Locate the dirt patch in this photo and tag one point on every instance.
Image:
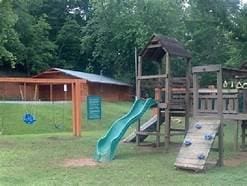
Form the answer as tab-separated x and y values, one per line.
237	160
59	138
82	162
6	144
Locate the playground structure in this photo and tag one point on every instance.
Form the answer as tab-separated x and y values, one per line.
204	108
171	93
159	49
29	91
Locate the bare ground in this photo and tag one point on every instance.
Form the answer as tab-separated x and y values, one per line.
81	162
238	159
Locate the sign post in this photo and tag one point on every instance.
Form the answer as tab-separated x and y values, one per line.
93	107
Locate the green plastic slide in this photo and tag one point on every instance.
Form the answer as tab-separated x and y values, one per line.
107	145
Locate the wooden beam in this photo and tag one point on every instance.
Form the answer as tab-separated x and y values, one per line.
139	73
138	95
187	95
136	69
78	108
25	91
152	76
220	115
206	68
51	92
195	95
243	134
236	146
166	62
154	45
73	109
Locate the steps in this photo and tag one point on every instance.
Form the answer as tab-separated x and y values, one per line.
149	126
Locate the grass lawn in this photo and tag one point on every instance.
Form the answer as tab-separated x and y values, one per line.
39	155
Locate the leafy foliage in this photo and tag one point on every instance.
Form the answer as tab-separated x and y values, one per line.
100	35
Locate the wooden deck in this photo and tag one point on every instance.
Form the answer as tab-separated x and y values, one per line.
188	156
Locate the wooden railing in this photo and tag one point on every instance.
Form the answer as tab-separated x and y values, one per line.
208	101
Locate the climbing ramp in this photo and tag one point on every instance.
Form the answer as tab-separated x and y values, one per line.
148	126
197	144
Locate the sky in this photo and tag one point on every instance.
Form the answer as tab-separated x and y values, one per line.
244	1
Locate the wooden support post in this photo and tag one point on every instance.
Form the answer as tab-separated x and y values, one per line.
136	70
243	134
25	91
73	108
236	146
158	98
187	95
220	114
51	92
139	73
166	60
195	94
78	108
138	95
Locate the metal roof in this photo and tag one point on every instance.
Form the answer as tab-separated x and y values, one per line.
158	45
95	78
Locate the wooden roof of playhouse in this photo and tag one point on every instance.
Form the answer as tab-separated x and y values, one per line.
94	78
158	45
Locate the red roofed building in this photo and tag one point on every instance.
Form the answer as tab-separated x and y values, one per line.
91	84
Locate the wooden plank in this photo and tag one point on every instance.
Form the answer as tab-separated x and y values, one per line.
149	133
238	116
193	162
187	95
211	96
203	105
243	133
220	115
78	108
205	128
166	62
154	46
206	121
189	165
210	104
195	148
230	105
195	94
152	76
225	91
236	146
207	111
206	68
138	94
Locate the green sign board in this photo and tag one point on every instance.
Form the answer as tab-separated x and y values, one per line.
93	107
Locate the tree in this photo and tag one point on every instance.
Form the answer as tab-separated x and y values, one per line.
238	46
69	45
7	34
117	27
37	51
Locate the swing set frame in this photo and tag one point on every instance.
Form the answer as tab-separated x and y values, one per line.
75	92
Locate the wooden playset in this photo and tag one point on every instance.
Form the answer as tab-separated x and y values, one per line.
204	109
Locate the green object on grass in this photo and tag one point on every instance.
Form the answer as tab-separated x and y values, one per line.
107	145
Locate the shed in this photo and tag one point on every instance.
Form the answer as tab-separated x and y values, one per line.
91	84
